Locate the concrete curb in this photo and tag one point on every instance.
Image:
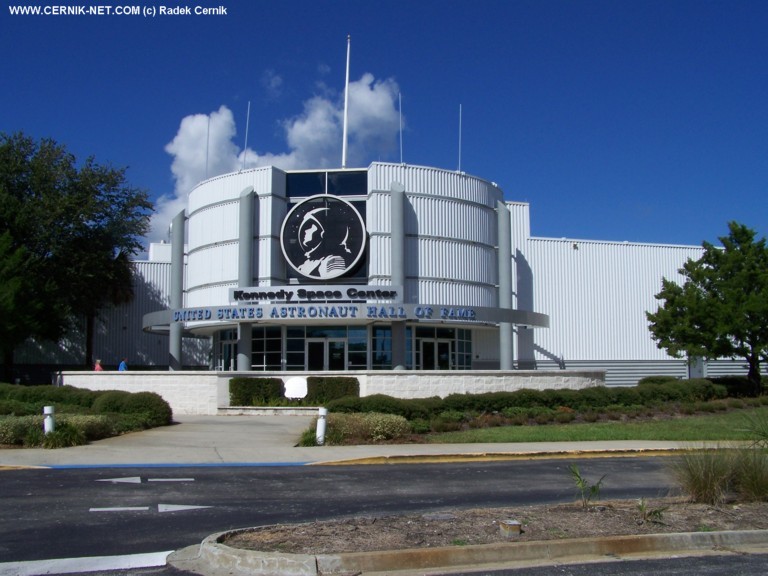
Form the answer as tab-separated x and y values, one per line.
212	557
497	456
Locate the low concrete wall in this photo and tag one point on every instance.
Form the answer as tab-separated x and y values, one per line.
186	392
424	384
205	393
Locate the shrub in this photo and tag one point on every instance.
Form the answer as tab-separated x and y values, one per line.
13	429
322	389
627	396
439	425
368	427
40	396
526	398
16	408
157	410
564	417
64	436
348	404
111	401
452	416
737	386
255	391
93	426
420	426
655	380
154	410
383	404
386	426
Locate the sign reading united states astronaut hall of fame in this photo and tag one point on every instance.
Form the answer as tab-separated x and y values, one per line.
323	237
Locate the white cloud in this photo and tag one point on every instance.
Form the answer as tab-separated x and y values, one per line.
204	147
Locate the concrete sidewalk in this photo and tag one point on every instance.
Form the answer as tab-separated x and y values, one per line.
265	440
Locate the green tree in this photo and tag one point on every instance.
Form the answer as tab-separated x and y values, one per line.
721	310
74	226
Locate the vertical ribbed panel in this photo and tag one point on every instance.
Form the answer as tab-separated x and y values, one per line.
218	223
228	187
434	181
450	226
119	330
597	294
212	264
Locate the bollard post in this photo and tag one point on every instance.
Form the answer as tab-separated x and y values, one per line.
320	432
49	421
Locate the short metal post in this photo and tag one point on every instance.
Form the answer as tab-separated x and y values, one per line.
49	421
320	433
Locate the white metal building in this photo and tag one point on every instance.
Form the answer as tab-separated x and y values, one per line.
393	266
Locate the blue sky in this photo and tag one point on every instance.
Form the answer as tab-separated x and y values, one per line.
622	120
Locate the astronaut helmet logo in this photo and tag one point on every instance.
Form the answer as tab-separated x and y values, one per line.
323	237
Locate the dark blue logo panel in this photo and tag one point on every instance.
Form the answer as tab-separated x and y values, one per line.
323	237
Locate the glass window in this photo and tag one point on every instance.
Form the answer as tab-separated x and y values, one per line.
303	184
346	183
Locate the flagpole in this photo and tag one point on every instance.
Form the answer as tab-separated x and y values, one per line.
346	109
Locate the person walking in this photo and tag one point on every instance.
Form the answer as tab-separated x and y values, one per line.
123	365
98	367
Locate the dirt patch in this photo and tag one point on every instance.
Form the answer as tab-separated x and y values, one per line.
483	526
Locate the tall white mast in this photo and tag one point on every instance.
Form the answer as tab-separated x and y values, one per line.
247	121
346	109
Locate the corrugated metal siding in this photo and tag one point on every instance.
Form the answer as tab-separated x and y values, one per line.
213	264
119	331
728	367
597	293
434	181
213	225
623	373
446	218
229	187
451	234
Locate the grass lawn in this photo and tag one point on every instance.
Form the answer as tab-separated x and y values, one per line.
731	425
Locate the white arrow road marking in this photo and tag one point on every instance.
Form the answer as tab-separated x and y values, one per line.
129	480
80	565
121	509
170	479
177	507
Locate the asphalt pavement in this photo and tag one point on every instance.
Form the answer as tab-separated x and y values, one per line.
261	440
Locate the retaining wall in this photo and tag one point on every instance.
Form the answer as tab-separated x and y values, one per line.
205	393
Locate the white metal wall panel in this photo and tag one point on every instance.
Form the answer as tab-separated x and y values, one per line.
212	265
230	186
447	218
435	181
379	257
215	224
447	259
597	293
209	295
378	213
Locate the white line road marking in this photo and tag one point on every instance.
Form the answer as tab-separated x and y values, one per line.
137	480
80	565
160	508
170	479
130	480
121	509
177	507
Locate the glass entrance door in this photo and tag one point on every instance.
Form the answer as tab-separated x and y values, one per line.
323	354
435	354
226	351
